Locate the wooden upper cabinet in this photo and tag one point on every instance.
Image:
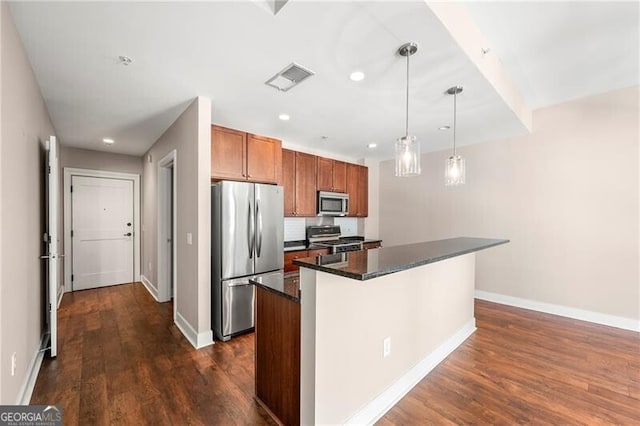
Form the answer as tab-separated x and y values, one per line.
264	159
299	182
331	175
325	174
237	155
305	191
228	152
339	176
289	181
363	192
358	190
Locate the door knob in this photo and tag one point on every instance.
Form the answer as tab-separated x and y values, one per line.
128	223
128	234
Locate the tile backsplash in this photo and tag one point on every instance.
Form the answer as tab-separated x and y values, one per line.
294	228
348	225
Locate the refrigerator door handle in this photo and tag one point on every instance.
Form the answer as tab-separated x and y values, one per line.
259	226
251	234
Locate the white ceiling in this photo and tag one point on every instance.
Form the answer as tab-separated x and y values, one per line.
557	51
226	50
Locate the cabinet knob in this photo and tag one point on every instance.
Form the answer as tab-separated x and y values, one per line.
249	175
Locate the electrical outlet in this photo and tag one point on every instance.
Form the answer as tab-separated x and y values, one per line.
149	266
386	351
189	238
14	363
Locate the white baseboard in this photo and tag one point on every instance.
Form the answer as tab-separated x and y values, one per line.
563	311
26	390
375	409
197	340
150	288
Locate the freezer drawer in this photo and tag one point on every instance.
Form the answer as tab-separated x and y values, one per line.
237	306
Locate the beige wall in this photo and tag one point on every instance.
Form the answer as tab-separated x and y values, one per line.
25	127
100	160
190	136
566	196
345	322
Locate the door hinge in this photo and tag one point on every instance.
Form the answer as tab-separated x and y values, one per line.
49	169
72	233
71	277
71	188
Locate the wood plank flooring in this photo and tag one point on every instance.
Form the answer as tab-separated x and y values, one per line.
122	361
526	367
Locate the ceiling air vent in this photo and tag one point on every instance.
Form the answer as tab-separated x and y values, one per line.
289	77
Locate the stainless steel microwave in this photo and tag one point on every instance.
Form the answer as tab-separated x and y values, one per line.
333	203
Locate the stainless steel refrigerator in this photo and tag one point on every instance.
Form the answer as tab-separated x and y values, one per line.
247	221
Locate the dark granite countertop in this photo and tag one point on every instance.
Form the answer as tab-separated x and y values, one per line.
368	264
283	284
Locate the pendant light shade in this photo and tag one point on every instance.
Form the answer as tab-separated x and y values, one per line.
407	156
407	147
454	171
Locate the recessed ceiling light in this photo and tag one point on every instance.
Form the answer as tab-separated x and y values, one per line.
372	145
444	128
284	117
108	141
357	76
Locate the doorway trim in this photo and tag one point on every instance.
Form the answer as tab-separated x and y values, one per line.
167	172
69	173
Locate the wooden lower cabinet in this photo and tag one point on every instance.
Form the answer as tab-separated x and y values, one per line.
372	245
289	256
318	252
277	351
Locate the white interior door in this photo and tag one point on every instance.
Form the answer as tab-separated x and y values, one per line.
52	191
102	232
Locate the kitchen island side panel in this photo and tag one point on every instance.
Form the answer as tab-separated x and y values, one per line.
346	322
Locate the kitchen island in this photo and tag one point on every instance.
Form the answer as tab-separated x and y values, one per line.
372	324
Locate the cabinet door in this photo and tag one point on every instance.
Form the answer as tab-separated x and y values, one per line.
325	174
305	185
353	188
339	176
363	192
228	152
289	181
290	255
264	159
318	252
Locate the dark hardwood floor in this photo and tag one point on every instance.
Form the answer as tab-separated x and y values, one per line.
523	367
122	361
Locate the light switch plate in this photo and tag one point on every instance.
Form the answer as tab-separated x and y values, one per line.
189	238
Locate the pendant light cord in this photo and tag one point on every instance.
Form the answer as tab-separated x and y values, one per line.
406	127
455	114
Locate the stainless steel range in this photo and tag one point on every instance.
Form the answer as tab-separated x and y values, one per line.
329	236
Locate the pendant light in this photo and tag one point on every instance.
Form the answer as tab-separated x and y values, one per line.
454	173
407	147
